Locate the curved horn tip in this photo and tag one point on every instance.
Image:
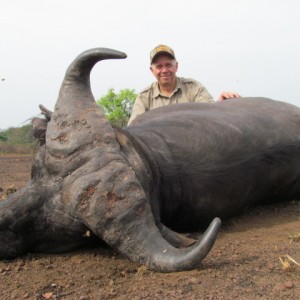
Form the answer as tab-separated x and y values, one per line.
81	66
216	222
106	53
187	258
212	231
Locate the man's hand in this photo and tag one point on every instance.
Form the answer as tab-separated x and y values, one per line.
228	95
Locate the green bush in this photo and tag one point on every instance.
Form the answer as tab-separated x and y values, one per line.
118	106
18	140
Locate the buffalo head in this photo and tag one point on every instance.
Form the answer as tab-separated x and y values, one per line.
89	176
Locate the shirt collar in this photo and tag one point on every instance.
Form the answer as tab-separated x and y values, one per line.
156	91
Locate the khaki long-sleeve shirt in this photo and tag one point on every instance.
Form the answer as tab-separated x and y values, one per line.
186	90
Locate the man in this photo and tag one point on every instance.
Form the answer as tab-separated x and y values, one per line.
170	89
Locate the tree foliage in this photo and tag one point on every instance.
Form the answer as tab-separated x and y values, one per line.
118	106
18	135
17	139
3	138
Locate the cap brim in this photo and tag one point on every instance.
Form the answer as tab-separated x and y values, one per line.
162	53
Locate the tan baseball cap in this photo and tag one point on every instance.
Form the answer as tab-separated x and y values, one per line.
161	49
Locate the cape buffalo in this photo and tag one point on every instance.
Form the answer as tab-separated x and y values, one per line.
178	167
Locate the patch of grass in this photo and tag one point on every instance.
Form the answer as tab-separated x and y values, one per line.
287	262
294	237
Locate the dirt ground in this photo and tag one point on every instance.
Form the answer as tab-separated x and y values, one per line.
244	263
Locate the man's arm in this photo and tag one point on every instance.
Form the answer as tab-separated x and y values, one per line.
138	108
202	95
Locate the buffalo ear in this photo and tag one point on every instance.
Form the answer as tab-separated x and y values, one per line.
46	112
39	125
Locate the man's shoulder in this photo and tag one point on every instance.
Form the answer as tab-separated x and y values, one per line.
189	81
147	89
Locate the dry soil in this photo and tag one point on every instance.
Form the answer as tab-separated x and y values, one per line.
244	263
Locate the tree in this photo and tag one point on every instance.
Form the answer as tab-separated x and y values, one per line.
17	139
3	138
19	135
118	106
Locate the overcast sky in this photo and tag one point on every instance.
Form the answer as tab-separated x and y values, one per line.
248	46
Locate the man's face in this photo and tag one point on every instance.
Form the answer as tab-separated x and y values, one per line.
164	69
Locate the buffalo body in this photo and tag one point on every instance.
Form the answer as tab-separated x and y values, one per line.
178	167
